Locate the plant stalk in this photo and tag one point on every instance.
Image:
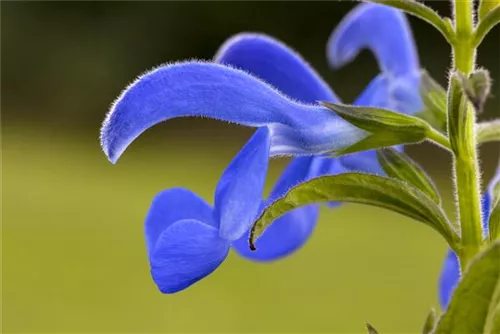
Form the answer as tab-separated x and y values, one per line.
465	162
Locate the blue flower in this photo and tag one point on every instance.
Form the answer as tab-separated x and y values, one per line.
186	238
258	82
225	93
275	63
450	275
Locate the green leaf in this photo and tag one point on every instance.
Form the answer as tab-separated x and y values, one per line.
430	322
399	166
494	221
423	12
385	127
434	100
488	131
361	188
487	23
486	6
475	305
490	20
371	329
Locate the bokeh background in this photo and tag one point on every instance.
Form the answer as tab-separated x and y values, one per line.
72	224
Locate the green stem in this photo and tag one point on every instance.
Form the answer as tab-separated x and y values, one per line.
438	138
465	162
463	17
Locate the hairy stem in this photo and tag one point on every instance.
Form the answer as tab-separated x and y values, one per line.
465	162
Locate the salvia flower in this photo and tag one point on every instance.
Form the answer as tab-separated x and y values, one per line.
186	238
259	82
278	65
451	272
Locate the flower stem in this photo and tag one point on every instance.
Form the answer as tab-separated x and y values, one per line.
465	162
438	138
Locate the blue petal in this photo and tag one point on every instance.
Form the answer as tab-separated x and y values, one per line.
185	253
376	94
170	206
386	32
283	68
223	93
364	162
383	30
239	193
449	279
487	200
277	64
486	208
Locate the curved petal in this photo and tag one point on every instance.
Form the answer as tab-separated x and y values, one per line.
170	206
449	279
239	193
223	93
386	32
277	64
285	236
185	253
383	30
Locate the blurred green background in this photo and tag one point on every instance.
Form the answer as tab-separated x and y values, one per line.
73	253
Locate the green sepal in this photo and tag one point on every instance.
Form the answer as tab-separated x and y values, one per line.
434	100
458	121
376	141
361	188
488	131
400	166
475	305
385	128
378	120
430	322
494	220
477	88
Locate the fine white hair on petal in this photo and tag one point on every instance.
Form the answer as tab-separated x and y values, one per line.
200	88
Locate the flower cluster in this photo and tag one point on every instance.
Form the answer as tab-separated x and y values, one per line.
257	81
